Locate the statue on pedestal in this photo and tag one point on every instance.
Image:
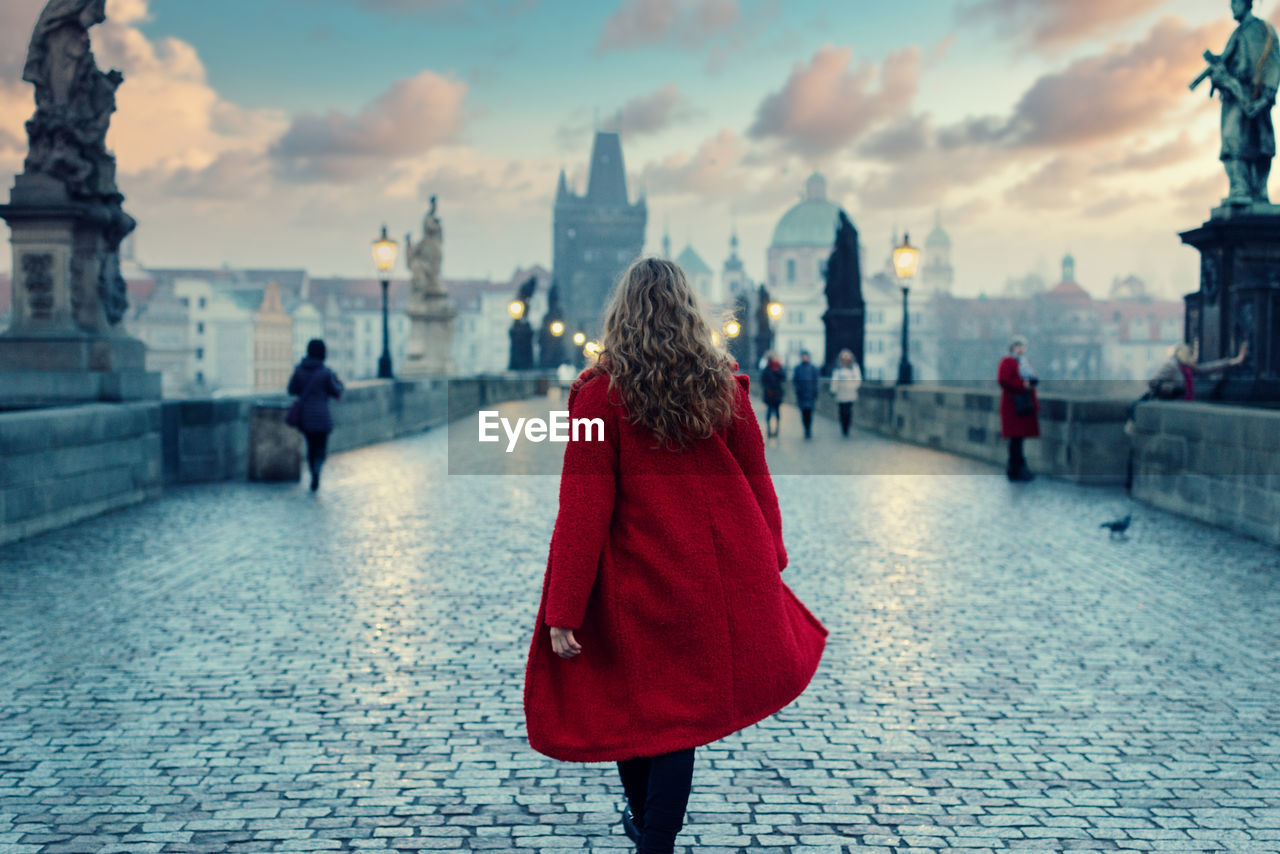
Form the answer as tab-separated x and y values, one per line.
1246	74
431	312
521	332
843	319
1239	244
67	221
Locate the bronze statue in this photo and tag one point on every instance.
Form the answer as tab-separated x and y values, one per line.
1246	74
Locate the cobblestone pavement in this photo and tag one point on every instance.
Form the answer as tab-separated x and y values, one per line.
251	668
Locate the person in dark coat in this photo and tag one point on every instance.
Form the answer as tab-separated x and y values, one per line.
1019	407
805	379
772	379
315	383
662	627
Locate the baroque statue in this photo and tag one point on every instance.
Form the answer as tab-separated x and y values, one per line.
431	312
68	133
425	257
1246	75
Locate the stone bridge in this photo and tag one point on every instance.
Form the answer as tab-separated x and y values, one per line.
246	667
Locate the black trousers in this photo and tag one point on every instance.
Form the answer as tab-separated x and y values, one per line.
1017	459
846	417
806	418
317	448
657	790
772	417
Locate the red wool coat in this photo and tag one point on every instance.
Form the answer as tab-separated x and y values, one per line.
667	566
1013	425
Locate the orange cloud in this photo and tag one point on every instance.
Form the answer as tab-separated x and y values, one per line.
412	116
1053	24
827	104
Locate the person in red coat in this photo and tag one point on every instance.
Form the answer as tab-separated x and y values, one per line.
1019	407
664	623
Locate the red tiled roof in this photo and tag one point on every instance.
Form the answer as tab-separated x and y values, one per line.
1069	292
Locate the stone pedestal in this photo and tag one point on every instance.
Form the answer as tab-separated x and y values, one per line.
63	345
430	347
1239	299
845	328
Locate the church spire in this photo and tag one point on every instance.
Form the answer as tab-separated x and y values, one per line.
562	186
607	184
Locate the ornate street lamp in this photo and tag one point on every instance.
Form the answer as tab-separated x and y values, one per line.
905	260
384	257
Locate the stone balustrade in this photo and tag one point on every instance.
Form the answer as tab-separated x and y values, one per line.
61	464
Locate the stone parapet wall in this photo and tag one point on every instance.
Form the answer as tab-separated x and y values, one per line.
58	466
1082	439
63	464
1218	464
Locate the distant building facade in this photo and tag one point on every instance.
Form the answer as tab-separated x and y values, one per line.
1072	337
796	262
272	342
595	235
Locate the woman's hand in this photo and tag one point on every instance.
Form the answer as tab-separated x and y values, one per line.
563	644
1244	354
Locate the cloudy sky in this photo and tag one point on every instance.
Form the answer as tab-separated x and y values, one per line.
285	132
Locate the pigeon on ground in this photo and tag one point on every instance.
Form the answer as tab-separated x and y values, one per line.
1119	527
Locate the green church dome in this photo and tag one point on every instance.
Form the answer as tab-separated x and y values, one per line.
811	222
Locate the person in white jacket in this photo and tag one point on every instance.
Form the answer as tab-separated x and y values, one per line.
845	381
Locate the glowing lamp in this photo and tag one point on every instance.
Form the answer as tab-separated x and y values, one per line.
733	329
557	328
579	339
515	308
384	252
775	310
906	258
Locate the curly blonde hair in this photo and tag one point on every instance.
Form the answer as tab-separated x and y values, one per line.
660	354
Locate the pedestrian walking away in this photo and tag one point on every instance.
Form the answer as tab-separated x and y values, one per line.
805	380
772	380
1019	407
661	630
846	379
314	384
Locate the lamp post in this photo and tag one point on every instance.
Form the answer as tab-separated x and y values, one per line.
905	259
384	257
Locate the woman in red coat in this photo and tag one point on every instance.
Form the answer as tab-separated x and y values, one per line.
1019	406
664	623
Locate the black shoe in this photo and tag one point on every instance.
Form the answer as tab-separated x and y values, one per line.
629	825
315	481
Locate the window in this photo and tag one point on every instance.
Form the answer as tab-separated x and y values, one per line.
200	377
202	303
200	328
199	354
791	269
186	302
